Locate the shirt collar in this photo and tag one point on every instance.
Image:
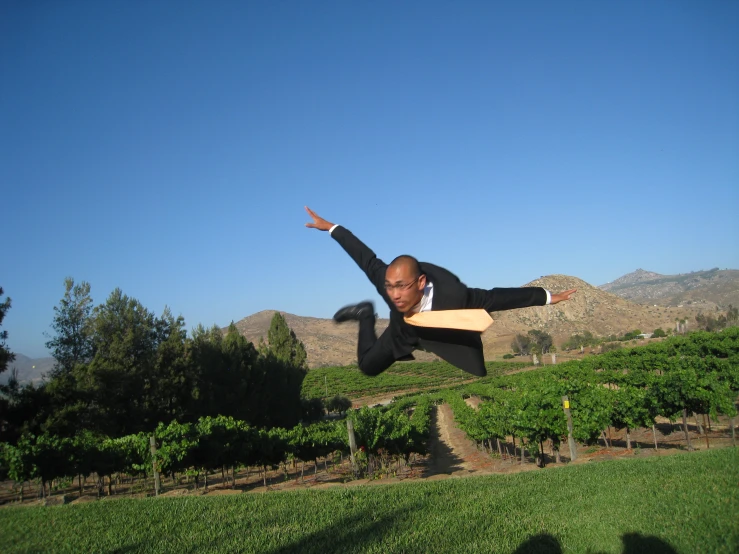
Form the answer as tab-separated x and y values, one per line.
424	305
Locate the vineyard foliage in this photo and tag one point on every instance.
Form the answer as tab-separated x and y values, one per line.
624	388
349	381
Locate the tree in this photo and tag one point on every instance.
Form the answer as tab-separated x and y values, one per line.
579	341
120	377
710	323
240	357
338	403
658	333
631	335
521	345
542	341
173	380
284	345
6	356
72	341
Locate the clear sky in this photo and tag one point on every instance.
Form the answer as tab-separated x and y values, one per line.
168	148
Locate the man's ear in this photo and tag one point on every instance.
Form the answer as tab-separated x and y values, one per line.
421	281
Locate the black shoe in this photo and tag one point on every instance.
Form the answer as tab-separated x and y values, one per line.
355	312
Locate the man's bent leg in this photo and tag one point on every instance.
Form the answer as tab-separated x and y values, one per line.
373	355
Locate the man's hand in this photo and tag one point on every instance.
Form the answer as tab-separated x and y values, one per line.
318	222
562	296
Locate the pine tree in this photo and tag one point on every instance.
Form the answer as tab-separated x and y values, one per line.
6	356
72	342
284	345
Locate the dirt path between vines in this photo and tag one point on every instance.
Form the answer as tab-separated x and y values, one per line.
451	453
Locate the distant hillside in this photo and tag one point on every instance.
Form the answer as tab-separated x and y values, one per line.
706	290
30	370
326	342
638	276
591	308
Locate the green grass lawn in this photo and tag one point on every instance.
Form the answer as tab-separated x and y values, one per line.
680	503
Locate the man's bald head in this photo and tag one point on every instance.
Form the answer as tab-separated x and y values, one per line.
404	282
408	263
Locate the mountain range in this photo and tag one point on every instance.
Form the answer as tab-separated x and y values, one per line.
706	290
30	370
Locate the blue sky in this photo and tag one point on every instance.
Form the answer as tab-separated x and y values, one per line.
168	148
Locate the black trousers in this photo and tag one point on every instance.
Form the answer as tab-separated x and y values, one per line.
375	355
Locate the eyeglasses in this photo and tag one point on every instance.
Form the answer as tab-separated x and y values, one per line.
401	286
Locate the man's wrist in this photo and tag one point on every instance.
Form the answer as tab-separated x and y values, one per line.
331	230
549	297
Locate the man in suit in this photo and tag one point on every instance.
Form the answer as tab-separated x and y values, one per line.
409	286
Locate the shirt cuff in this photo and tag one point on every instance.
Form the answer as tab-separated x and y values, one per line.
331	230
549	296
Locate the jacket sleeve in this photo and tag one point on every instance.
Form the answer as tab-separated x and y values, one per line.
498	299
373	267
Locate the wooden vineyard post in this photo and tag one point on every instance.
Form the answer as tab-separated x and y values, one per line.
352	444
733	433
153	445
705	431
685	429
654	434
570	438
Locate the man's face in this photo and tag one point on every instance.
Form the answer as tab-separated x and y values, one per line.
402	286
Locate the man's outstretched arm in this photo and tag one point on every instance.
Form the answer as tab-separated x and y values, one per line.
499	299
364	257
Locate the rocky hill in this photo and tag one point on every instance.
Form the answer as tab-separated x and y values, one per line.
630	279
706	290
591	308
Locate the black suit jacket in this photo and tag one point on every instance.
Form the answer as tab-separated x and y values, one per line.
449	294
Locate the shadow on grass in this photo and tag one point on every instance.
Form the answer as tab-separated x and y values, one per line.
633	543
539	544
359	532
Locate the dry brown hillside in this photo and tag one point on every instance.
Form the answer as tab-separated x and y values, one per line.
326	343
591	308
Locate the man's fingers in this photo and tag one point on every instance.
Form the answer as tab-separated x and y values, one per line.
562	296
311	213
318	222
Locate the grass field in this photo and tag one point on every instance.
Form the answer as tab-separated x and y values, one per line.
682	503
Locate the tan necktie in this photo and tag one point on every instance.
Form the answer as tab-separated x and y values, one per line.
467	320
